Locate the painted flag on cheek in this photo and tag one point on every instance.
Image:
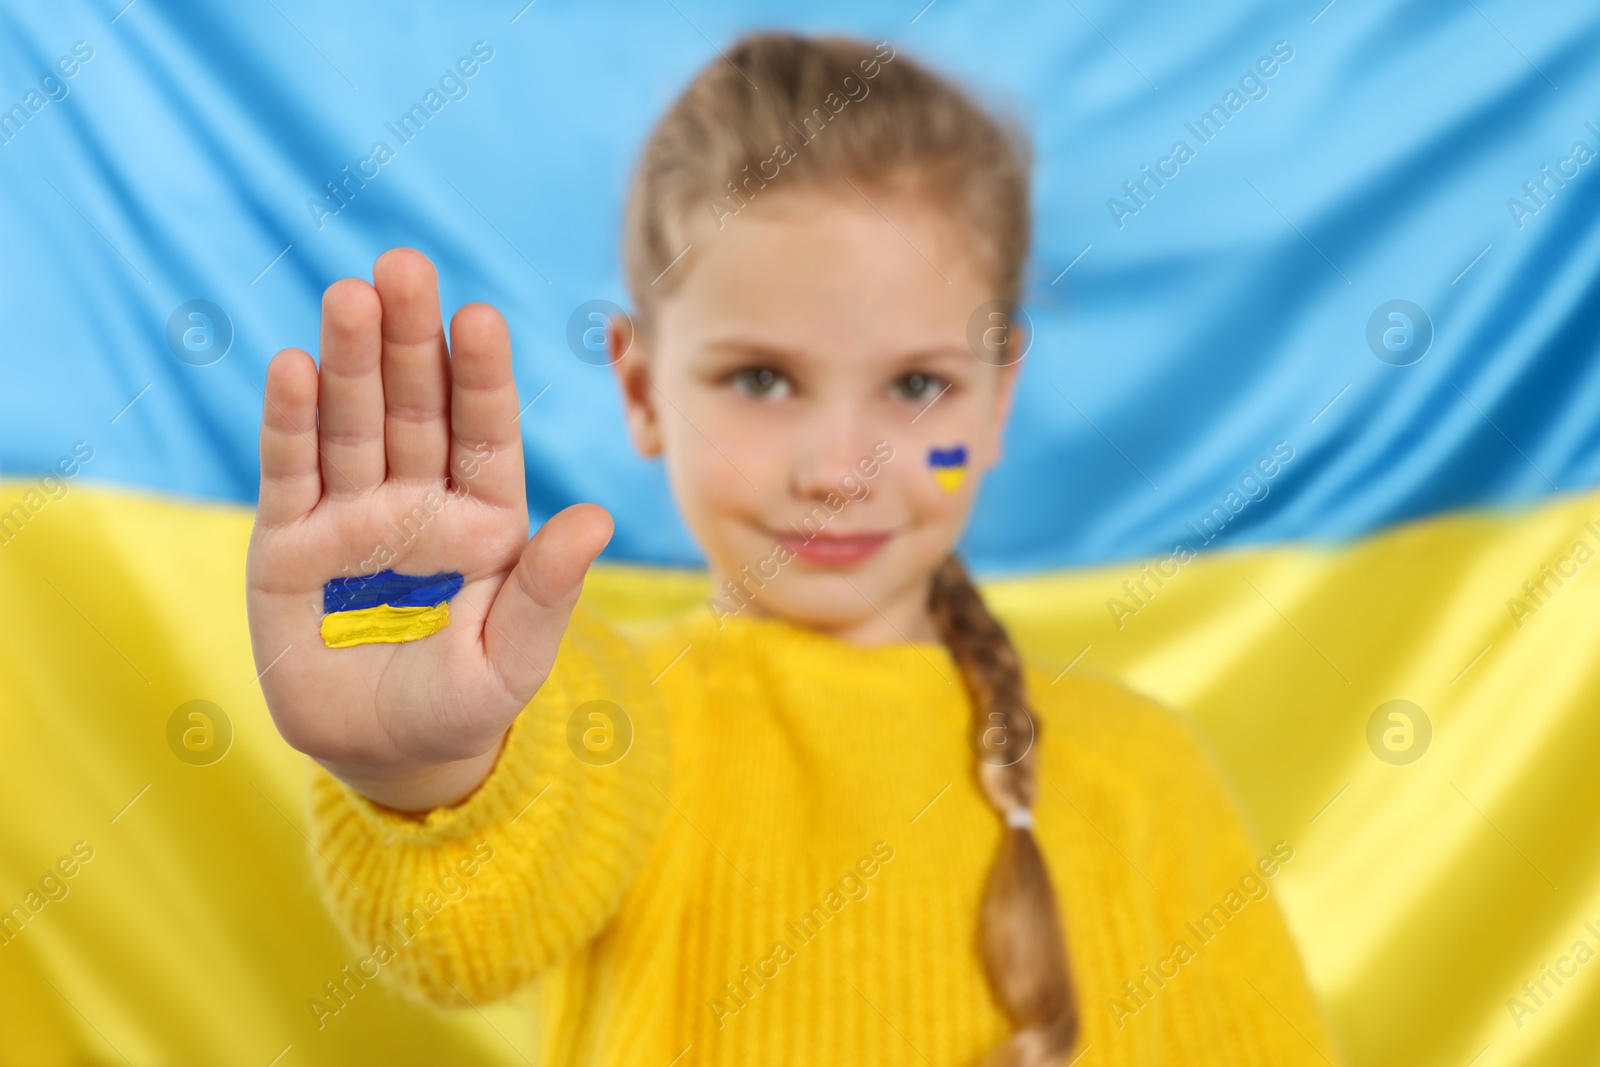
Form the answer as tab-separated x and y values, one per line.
949	465
386	608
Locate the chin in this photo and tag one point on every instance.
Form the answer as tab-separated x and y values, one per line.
824	613
822	598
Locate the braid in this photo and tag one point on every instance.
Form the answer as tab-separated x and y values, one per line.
1020	937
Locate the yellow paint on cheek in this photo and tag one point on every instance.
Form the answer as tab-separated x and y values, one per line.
949	466
383	624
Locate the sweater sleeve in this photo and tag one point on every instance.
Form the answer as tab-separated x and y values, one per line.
1243	996
469	903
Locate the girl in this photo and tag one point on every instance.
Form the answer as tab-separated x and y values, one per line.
831	817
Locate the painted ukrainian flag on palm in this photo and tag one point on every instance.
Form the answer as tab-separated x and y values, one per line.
1305	446
385	607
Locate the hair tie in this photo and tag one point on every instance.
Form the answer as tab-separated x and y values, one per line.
1021	818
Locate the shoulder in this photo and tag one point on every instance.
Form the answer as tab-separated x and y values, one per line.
1135	765
1105	718
1130	749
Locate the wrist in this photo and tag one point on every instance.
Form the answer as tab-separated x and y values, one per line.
417	792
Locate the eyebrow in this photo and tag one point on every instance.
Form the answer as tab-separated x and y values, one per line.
782	357
735	348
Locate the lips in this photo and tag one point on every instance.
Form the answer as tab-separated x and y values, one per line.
834	550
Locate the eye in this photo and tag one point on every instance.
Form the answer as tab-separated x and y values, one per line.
759	381
919	386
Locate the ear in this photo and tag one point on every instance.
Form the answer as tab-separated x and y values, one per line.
1006	388
630	361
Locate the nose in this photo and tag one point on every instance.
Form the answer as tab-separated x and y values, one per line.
833	441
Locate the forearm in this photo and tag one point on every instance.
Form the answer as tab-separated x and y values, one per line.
552	842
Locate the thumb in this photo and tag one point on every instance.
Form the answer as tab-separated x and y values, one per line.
532	609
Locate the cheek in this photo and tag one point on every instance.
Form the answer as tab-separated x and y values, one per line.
933	518
713	479
916	487
703	481
941	466
939	504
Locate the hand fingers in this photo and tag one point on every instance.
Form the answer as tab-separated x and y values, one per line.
416	377
291	479
531	611
350	400
485	433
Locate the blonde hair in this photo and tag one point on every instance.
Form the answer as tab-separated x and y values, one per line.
794	112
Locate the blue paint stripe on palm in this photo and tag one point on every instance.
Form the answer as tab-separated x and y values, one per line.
387	587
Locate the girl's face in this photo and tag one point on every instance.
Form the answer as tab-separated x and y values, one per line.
811	387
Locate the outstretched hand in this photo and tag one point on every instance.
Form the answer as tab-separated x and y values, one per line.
402	453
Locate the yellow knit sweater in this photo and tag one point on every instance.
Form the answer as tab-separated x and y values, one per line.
785	863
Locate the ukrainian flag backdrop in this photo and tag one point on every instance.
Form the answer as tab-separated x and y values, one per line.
1307	446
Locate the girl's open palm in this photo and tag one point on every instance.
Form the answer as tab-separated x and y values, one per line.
402	454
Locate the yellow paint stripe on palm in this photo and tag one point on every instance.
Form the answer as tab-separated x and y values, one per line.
384	624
